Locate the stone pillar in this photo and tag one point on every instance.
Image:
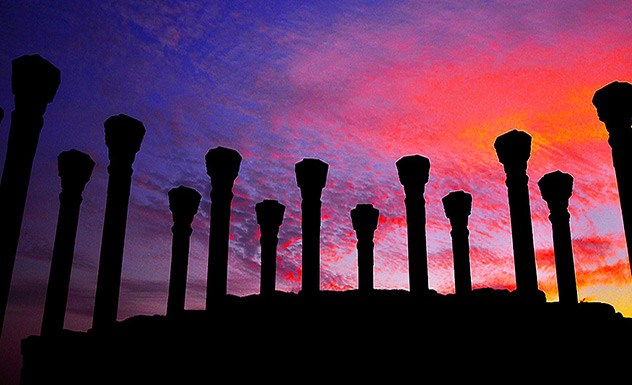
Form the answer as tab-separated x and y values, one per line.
34	83
413	171
557	188
123	137
364	218
458	206
311	178
514	149
75	169
269	217
183	203
222	165
614	108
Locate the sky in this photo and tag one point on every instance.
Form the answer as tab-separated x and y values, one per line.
356	84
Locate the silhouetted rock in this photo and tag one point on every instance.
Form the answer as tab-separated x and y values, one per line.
413	172
34	83
614	108
357	335
364	218
75	169
123	137
458	206
183	204
514	149
556	188
269	217
222	165
311	178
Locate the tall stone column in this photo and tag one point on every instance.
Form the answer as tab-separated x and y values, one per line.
222	165
556	188
414	171
75	169
311	177
458	206
364	218
614	108
123	137
184	203
514	149
269	217
34	83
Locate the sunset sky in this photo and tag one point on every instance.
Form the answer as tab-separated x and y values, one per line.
355	84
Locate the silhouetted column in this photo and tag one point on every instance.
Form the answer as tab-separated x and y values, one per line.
614	108
557	188
222	165
413	171
34	83
183	203
364	218
458	206
123	137
311	177
514	149
75	169
269	217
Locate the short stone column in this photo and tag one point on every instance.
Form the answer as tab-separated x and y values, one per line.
364	218
269	217
123	137
75	169
183	204
34	83
458	206
414	171
514	149
556	188
222	165
311	177
614	108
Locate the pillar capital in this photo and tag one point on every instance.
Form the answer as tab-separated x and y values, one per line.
184	203
34	79
457	205
364	218
614	105
556	188
222	165
123	136
513	149
269	214
413	171
311	175
75	169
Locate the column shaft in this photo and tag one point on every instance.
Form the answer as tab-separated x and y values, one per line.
461	250
366	258
221	199
112	247
522	231
179	265
622	162
269	243
417	249
310	225
61	264
563	249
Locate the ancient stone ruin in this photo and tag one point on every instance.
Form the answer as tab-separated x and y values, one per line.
185	343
